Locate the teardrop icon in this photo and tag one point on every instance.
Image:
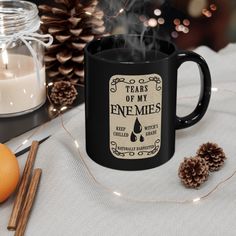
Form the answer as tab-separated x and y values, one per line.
137	126
133	137
141	138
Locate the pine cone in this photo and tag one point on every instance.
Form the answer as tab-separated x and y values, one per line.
193	171
72	23
213	154
63	93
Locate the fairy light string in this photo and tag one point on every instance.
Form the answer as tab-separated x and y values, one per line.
29	137
128	198
119	12
59	112
116	192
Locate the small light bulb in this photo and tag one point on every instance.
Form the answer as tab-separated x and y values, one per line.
63	108
76	143
88	13
121	10
196	199
4	56
117	193
152	22
157	12
161	21
174	34
213	7
186	30
181	27
24	142
50	84
142	18
145	23
177	21
214	89
186	22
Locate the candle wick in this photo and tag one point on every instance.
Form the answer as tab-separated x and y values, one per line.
6	66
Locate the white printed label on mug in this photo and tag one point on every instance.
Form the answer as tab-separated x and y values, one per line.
135	115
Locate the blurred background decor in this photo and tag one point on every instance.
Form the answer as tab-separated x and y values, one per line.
189	23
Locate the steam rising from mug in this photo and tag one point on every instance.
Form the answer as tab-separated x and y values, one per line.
131	22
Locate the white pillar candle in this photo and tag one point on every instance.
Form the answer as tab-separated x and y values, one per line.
20	89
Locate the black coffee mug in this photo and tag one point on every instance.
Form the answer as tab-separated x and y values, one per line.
130	100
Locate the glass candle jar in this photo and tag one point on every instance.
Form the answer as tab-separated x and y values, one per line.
22	70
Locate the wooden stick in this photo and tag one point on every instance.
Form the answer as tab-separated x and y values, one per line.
18	204
29	201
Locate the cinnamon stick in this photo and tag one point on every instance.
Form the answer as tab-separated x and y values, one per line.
18	204
29	201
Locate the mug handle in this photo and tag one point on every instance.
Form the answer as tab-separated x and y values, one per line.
205	94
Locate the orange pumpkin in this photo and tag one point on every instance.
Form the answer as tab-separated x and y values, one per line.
9	172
